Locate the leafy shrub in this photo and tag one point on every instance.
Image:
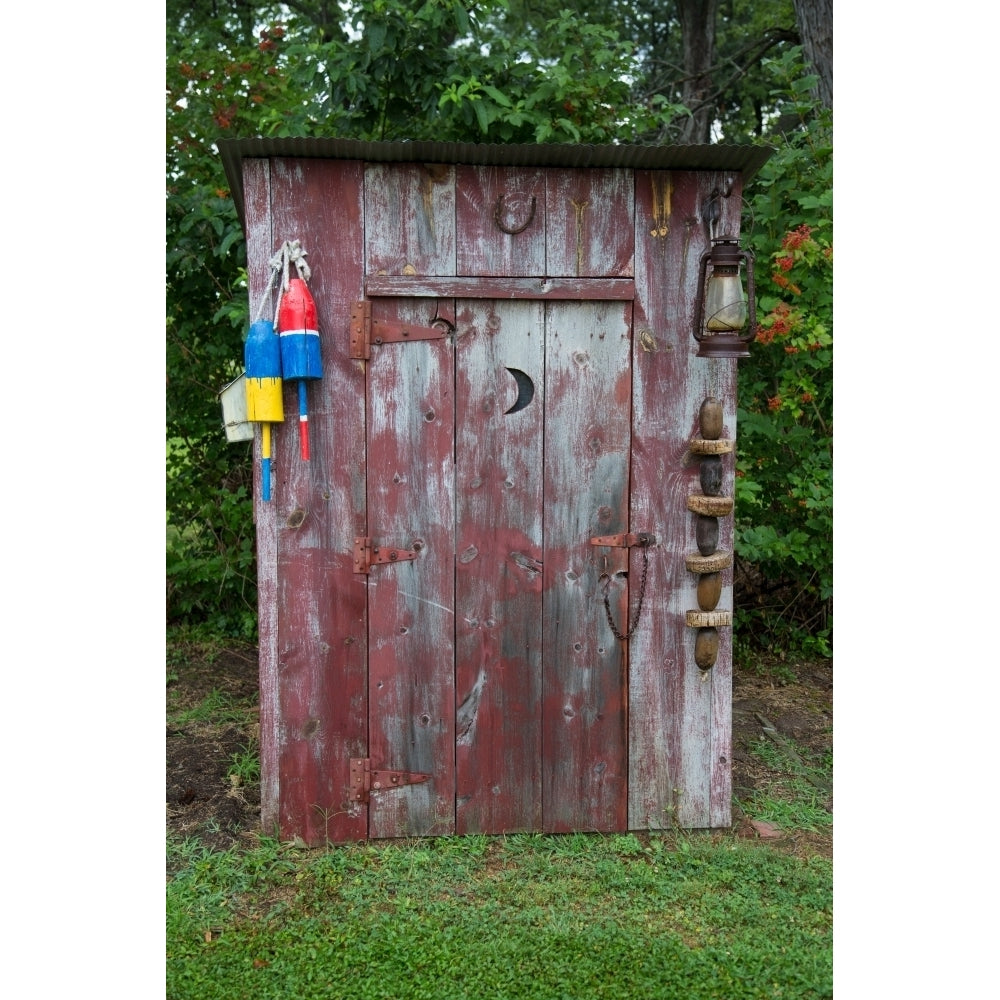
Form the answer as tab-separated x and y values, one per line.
784	470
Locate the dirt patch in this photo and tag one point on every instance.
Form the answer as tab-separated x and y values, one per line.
212	723
213	730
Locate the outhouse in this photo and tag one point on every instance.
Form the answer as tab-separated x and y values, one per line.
478	596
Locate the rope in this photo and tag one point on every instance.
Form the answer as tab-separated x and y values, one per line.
290	253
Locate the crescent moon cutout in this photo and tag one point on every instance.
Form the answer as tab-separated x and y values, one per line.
525	390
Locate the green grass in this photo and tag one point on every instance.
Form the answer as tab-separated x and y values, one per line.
244	768
795	797
523	916
216	708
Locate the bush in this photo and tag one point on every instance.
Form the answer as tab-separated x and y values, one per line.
784	470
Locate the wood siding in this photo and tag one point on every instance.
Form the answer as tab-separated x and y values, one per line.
558	406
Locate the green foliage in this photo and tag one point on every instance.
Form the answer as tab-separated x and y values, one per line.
584	95
582	916
214	88
432	70
784	485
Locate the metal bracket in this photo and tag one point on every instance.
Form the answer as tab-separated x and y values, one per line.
365	779
367	555
625	541
366	331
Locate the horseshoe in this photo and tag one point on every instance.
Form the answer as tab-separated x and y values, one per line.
497	217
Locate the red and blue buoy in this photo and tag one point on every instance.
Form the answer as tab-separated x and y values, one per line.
262	358
300	356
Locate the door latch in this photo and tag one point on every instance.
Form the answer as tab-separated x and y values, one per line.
643	539
626	541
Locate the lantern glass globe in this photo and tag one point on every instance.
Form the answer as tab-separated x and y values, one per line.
725	306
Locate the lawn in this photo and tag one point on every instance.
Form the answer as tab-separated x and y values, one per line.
526	916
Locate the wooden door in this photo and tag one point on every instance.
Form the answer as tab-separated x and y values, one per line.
493	668
496	454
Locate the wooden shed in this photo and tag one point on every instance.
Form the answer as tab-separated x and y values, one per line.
477	598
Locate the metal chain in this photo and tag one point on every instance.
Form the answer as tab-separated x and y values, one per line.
638	610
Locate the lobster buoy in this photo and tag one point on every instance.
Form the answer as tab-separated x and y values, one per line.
300	356
262	359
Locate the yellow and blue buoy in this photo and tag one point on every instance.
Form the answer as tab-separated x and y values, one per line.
262	358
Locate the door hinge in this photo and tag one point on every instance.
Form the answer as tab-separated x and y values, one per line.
365	779
367	555
366	331
625	541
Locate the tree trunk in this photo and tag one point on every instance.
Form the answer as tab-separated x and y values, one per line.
815	20
697	19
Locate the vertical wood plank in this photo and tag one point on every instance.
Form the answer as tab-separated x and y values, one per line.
257	211
722	384
415	208
317	509
499	552
411	505
587	391
411	604
590	223
515	196
678	723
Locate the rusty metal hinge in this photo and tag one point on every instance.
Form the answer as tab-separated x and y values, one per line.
365	779
625	541
367	555
366	331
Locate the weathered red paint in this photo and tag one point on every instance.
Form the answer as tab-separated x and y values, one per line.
498	566
487	661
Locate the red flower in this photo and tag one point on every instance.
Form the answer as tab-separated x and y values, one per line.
786	263
791	350
796	237
807	397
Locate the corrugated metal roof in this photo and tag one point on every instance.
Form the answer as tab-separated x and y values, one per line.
746	160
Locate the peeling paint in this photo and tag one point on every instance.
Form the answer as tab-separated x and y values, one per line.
468	711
